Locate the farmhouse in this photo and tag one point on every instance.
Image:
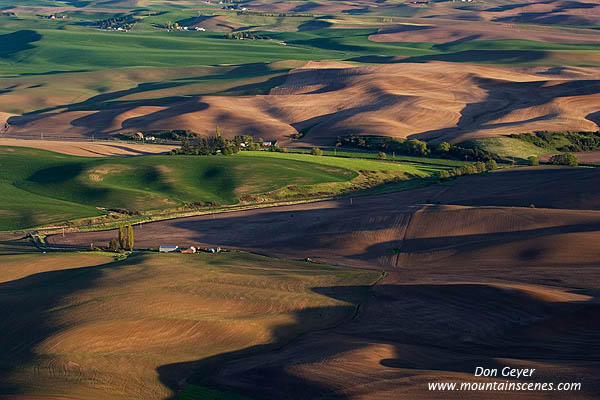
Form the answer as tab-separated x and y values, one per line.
191	250
138	136
168	249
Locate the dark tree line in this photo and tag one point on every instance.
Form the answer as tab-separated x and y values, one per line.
414	147
119	21
562	141
245	35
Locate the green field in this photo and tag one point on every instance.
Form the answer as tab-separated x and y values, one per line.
35	45
364	163
511	148
427	162
40	187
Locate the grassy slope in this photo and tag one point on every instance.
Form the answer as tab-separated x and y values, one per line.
84	334
351	163
511	148
40	187
20	208
371	155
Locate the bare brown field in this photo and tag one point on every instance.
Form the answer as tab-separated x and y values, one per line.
550	12
102	329
443	31
433	101
309	7
590	157
560	12
89	149
476	277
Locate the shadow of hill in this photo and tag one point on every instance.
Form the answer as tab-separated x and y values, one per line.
485	56
26	306
13	43
170	375
504	98
430	329
106	108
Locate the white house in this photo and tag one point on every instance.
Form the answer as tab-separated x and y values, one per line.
168	249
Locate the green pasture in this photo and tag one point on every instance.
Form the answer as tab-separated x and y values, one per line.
39	187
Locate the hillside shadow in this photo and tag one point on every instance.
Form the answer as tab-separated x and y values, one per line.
27	306
52	177
170	374
504	98
12	44
482	56
380	100
444	327
313	25
107	107
480	241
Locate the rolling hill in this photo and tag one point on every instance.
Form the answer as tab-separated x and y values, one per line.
435	101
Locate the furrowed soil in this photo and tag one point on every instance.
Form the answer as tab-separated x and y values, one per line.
493	270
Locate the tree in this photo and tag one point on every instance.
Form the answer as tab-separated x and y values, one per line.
381	155
417	147
443	147
113	245
468	170
533	160
491	165
569	159
479	166
443	175
122	237
130	237
316	151
185	146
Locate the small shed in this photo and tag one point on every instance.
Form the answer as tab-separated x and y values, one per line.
168	249
191	250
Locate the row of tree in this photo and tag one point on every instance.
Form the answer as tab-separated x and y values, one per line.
562	141
124	241
475	168
245	35
119	21
414	147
